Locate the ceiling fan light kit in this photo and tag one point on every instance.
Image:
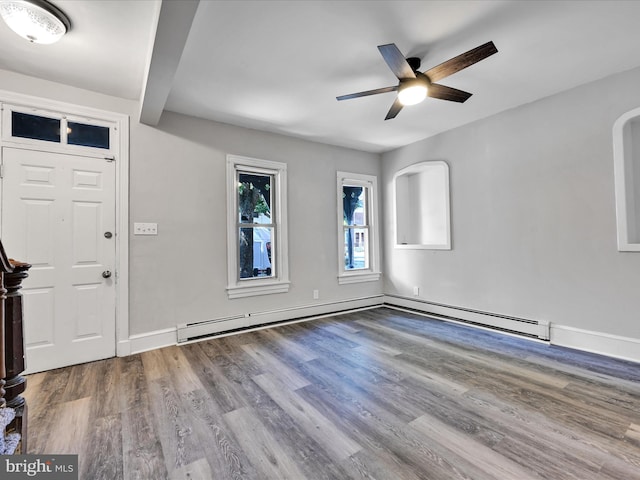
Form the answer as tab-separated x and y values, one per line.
35	20
412	92
414	86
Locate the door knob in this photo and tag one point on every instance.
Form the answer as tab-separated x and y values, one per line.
106	274
108	234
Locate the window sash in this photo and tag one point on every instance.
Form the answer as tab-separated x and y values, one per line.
362	233
365	262
272	275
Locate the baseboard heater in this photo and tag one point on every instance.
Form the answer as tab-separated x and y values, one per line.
210	328
187	332
538	329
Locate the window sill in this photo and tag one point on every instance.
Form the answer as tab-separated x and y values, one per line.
242	291
359	277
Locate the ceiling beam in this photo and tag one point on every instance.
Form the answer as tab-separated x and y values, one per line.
174	24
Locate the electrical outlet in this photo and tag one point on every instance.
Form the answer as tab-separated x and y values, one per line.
416	290
145	228
316	294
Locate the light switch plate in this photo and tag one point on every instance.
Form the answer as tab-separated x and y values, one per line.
145	228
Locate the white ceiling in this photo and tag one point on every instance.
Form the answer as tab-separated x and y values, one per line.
278	65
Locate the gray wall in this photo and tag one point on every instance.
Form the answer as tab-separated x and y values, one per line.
533	214
178	180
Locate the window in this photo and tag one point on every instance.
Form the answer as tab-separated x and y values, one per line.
256	227
36	127
33	126
95	136
357	224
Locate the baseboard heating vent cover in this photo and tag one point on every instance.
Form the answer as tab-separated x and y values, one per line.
538	329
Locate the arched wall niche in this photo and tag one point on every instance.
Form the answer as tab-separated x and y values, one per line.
422	206
626	157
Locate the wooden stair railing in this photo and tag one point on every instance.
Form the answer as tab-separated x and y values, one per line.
14	349
12	360
5	267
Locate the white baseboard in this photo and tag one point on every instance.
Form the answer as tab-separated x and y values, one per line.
534	328
123	348
624	348
151	340
615	346
248	320
166	337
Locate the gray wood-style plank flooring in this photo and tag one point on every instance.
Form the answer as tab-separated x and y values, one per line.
376	394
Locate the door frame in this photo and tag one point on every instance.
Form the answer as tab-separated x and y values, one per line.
121	153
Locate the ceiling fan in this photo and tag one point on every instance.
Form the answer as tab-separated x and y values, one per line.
415	86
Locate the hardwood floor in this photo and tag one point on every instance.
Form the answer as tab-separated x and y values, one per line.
378	394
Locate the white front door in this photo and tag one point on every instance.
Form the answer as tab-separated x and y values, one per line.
58	214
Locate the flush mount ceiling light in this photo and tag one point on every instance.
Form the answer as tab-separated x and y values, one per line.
35	20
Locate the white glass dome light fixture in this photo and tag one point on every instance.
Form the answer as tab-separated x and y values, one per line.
35	20
413	91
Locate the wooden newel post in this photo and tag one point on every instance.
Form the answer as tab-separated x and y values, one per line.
14	346
3	371
5	267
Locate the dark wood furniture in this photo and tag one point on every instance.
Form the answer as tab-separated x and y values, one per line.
12	362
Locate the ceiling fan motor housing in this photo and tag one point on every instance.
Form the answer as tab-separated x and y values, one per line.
414	63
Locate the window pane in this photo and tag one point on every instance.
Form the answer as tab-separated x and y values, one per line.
87	135
36	127
354	205
356	248
254	198
255	252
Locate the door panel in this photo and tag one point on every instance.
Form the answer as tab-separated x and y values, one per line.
55	210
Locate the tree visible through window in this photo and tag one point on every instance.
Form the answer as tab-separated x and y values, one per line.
354	205
357	228
256	226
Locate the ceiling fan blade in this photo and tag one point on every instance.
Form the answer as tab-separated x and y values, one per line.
461	61
396	61
368	92
394	110
443	92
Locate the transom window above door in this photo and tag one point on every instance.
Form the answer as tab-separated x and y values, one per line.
32	126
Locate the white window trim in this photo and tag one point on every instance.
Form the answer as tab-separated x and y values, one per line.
372	273
237	288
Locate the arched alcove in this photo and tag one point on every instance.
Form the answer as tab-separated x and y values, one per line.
421	206
626	156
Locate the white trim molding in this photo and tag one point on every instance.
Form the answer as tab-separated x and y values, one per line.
144	342
615	346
